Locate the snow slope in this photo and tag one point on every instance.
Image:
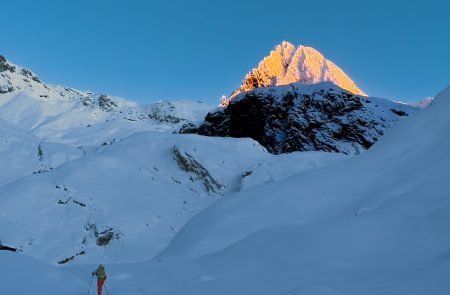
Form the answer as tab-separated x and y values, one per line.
134	192
79	118
424	103
375	224
22	153
127	200
24	275
19	150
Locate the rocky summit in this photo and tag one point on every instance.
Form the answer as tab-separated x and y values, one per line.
288	64
298	117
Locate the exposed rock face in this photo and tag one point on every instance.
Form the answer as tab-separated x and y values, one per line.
5	87
296	117
107	104
5	66
188	163
288	64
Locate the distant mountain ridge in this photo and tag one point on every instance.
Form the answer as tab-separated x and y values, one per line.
288	64
424	103
66	115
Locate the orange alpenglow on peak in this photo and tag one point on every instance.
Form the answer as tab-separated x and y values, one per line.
289	64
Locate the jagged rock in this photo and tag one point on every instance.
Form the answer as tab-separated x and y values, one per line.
298	117
69	259
288	64
103	238
161	112
188	128
106	104
29	74
187	163
5	66
6	89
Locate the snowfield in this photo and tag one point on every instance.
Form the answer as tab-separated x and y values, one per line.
163	179
24	275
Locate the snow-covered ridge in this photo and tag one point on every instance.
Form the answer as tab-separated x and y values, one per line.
423	103
288	64
66	115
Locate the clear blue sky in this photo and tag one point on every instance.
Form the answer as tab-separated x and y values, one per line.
195	49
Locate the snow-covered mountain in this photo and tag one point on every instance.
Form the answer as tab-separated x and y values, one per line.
298	117
66	115
288	64
108	177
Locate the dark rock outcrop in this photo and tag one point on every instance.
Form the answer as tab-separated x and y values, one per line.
7	248
5	66
296	117
189	164
105	103
188	128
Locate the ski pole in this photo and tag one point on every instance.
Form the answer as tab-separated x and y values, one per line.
107	292
89	290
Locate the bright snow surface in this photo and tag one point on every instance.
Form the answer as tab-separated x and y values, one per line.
374	224
24	275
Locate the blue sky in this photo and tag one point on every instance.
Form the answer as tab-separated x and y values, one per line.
159	49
